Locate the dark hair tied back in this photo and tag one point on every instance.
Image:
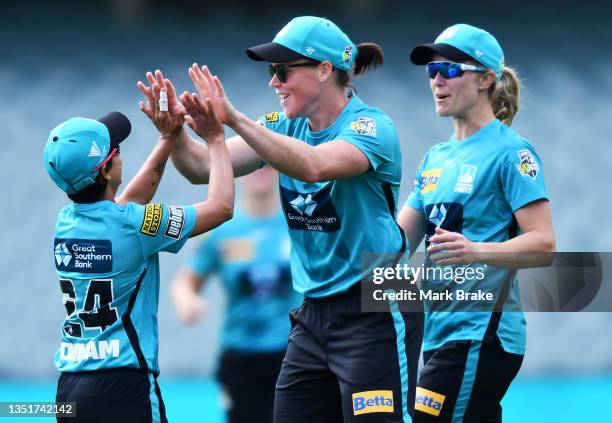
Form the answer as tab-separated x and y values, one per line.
369	55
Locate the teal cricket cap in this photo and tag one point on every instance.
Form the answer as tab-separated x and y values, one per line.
308	37
76	147
463	42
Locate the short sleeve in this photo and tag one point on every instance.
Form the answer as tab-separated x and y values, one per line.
521	175
274	121
160	227
415	199
374	135
207	257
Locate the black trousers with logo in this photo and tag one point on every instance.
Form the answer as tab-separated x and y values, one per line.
465	381
343	364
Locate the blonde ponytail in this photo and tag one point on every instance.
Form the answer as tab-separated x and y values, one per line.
504	95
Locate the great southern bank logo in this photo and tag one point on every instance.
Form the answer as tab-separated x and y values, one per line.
83	255
372	402
437	215
304	206
62	255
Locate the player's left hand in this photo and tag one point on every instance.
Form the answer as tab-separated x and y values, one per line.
448	248
168	123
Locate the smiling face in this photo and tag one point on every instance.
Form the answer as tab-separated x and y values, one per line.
457	97
300	93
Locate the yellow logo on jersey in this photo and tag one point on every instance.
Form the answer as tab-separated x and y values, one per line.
429	180
527	166
429	402
364	126
271	117
152	219
372	402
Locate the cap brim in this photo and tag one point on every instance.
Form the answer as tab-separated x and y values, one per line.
272	52
119	126
422	55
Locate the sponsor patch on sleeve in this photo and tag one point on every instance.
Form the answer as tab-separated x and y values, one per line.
152	219
271	117
429	402
176	221
527	165
364	126
372	402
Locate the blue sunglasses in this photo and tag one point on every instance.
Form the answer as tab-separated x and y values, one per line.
450	70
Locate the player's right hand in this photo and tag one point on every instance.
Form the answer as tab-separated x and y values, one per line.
189	307
170	123
201	117
210	86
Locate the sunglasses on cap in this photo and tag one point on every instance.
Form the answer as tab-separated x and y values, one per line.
114	152
450	70
281	70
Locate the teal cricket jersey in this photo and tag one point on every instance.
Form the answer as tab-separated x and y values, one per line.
106	257
251	257
473	187
333	223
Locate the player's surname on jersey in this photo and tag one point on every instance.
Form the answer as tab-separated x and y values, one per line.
89	351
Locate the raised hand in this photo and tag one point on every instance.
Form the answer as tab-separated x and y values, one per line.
210	86
170	123
202	118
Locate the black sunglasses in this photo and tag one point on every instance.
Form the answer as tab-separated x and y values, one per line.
281	70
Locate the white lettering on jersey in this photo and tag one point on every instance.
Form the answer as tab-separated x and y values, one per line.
89	351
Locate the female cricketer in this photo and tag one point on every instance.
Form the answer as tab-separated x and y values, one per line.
340	167
106	253
479	200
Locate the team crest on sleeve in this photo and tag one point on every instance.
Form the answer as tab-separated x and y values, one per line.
176	221
272	117
527	165
152	219
364	126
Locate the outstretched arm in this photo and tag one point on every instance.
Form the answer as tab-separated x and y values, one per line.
143	186
192	159
219	206
331	160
